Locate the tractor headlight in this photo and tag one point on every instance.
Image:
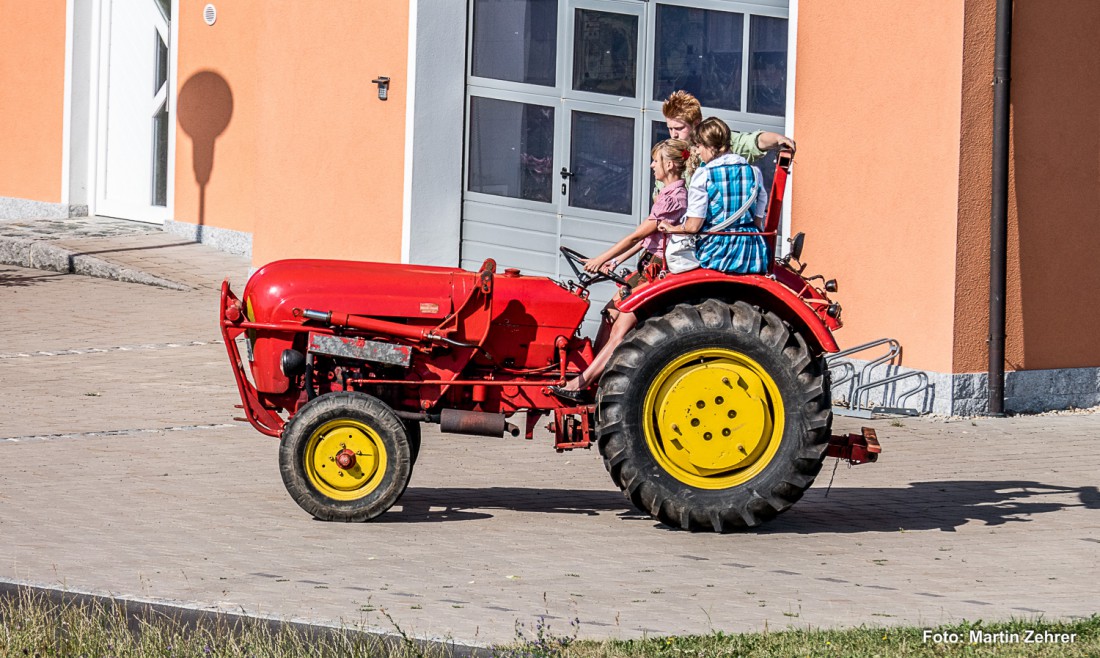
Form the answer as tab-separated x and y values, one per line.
830	285
833	311
292	363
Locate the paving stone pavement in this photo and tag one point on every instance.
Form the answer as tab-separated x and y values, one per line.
122	473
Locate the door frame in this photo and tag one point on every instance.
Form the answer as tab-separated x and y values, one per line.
95	144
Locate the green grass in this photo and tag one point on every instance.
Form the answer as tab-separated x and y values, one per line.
32	626
864	642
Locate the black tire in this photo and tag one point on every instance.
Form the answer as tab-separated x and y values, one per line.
412	431
639	463
316	434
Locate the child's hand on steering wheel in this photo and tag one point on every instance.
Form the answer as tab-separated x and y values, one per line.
592	265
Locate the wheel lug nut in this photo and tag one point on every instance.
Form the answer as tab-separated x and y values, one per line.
726	381
742	448
676	428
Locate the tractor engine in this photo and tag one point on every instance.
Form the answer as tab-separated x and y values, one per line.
393	330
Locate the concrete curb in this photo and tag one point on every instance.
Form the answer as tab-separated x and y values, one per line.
43	255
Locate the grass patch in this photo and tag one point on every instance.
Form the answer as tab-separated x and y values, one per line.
867	642
34	626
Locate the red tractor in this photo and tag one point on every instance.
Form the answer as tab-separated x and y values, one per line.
714	413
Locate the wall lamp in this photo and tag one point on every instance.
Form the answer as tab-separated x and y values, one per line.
383	87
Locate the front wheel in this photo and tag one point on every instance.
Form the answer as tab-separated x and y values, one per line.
345	457
714	416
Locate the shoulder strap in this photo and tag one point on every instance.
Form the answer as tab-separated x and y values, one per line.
743	209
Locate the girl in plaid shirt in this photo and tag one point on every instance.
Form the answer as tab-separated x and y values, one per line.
716	192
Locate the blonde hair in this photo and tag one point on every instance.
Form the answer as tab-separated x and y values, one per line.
682	106
676	151
712	133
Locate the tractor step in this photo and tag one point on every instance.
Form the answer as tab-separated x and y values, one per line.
856	448
573	427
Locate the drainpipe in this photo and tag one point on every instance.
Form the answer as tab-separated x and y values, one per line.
998	229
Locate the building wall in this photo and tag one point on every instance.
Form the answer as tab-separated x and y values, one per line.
282	133
1054	188
875	186
32	99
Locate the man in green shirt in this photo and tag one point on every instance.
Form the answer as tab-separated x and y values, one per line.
683	113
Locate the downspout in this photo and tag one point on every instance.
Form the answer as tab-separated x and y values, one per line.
998	227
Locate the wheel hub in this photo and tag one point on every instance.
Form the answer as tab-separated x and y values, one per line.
714	418
345	459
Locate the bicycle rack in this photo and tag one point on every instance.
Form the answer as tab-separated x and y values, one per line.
862	383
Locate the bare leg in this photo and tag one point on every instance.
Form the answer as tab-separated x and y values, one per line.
622	326
610	314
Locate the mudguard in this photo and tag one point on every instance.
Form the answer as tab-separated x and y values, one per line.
806	306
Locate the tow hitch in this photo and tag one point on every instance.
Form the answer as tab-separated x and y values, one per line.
855	448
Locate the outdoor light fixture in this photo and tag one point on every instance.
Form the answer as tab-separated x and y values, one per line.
383	87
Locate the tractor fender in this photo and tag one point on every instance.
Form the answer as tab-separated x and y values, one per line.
758	289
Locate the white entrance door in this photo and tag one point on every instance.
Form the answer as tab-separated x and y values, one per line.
134	112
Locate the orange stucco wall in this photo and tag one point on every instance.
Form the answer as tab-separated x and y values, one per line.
1054	188
32	97
307	158
877	111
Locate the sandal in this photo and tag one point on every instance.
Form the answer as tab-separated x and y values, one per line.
568	394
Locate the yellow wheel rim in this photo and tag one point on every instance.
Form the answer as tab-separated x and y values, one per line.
327	443
713	418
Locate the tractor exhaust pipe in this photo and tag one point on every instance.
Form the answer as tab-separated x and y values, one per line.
454	421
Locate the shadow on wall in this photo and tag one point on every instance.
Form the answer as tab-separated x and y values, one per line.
1055	142
204	108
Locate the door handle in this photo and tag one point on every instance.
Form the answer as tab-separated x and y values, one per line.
566	174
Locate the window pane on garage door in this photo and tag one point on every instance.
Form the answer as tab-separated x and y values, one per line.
511	149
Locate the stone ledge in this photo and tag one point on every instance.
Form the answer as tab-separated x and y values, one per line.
15	208
967	394
45	256
233	242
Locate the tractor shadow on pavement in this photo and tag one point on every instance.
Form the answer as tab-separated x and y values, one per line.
427	505
943	505
940	505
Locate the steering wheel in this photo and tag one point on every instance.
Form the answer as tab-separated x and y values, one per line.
586	279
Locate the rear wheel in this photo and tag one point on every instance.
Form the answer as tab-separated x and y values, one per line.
345	457
714	416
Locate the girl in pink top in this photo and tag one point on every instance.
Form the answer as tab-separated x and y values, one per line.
669	158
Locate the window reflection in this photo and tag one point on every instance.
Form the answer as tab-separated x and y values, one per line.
768	65
511	149
605	53
516	40
699	51
602	162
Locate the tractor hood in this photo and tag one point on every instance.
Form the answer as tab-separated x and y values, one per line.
376	289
